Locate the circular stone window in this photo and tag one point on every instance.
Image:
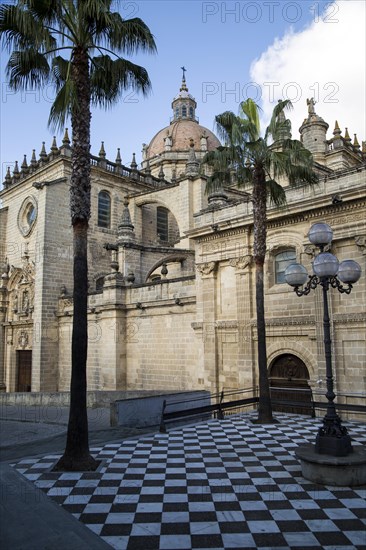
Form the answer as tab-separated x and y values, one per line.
27	216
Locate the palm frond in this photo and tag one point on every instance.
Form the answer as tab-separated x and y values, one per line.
249	110
62	106
47	11
224	124
302	175
130	35
110	78
280	131
244	176
96	16
295	162
20	29
278	120
60	70
249	156
217	181
276	192
27	69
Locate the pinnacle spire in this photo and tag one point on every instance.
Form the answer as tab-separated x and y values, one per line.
8	177
337	131
126	217
118	157
102	153
24	166
33	161
147	168
347	136
54	148
16	173
161	174
133	162
66	139
126	227
43	154
355	142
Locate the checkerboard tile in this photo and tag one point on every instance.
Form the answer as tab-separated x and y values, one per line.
222	484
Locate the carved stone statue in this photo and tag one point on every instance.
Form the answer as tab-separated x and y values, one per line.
311	106
168	142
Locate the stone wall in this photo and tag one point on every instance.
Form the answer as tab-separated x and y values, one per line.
226	316
139	338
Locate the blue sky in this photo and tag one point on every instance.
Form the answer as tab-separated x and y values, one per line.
285	49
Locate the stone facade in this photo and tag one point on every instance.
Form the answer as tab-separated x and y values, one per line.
171	275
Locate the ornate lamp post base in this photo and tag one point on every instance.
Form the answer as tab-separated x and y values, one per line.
333	445
332	460
341	471
333	438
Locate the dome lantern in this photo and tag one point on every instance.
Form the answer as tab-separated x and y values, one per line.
184	105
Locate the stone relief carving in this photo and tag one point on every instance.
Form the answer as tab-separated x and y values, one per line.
206	268
23	339
289	367
361	243
241	263
21	289
344	220
310	249
65	303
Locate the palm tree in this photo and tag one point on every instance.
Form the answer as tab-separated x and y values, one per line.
247	159
93	73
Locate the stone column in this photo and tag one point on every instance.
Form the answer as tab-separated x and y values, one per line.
209	335
112	320
244	292
3	308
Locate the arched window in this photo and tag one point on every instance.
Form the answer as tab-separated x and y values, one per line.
162	226
184	111
282	260
177	112
104	209
191	113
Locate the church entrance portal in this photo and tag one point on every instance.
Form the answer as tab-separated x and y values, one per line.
24	369
289	383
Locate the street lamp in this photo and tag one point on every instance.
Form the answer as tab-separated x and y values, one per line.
332	438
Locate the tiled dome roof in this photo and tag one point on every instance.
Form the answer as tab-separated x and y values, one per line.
183	129
181	133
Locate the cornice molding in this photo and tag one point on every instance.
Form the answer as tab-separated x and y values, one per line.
222	233
349	317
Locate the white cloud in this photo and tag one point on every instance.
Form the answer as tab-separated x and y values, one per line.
325	61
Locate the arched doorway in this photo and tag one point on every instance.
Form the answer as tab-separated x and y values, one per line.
290	391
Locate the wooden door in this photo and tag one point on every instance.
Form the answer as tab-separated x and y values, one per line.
24	362
290	391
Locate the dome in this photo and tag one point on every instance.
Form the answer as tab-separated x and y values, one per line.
178	135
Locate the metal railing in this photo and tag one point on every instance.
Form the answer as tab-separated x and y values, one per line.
217	407
230	402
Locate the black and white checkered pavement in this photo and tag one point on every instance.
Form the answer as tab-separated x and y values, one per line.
218	485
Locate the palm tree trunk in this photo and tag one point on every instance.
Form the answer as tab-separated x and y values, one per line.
77	455
260	238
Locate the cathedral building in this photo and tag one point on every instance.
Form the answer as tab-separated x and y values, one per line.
171	279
